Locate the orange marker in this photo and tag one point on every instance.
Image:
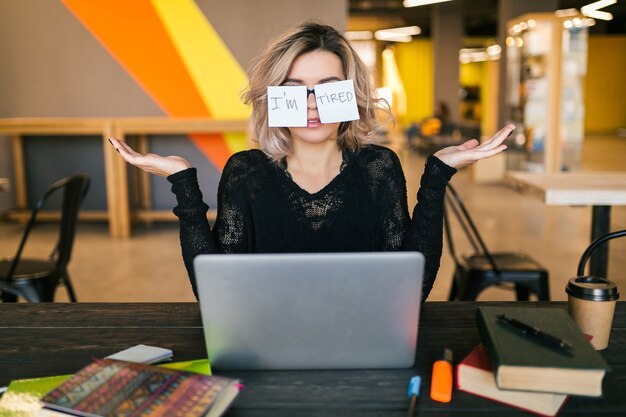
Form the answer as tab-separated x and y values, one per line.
441	381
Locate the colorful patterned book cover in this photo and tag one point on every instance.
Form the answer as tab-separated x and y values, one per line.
115	388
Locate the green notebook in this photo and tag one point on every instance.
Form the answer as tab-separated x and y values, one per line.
523	362
22	397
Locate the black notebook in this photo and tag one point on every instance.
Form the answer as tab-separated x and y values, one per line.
522	362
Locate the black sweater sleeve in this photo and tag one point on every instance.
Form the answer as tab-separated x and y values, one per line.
426	230
231	232
195	232
233	227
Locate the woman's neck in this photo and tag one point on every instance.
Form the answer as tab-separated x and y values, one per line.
313	166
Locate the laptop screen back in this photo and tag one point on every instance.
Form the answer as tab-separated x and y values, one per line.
310	311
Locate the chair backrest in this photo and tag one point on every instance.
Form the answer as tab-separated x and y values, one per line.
76	188
454	207
74	191
593	246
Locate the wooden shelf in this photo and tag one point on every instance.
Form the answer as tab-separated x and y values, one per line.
118	213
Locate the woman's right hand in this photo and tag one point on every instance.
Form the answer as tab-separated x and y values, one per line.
152	163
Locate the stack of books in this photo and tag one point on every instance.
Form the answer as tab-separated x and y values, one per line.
535	372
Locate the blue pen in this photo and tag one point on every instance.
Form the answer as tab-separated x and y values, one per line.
414	393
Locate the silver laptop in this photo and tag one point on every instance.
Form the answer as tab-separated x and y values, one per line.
310	311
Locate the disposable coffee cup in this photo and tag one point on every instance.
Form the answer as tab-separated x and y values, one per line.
591	305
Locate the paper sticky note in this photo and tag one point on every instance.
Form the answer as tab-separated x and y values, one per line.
336	102
286	106
143	354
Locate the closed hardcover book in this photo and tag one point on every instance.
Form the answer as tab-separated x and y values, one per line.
522	361
474	375
109	387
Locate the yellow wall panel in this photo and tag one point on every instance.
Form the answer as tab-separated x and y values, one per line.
415	64
605	84
471	73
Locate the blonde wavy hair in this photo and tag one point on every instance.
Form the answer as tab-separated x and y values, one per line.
272	67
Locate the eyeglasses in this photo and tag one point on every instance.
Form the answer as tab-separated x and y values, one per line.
311	91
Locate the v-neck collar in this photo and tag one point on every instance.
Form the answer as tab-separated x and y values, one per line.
347	157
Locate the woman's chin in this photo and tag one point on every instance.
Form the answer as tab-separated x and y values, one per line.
314	134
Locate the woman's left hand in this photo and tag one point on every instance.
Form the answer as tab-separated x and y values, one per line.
471	151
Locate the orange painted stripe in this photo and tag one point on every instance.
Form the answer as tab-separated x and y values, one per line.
133	34
214	147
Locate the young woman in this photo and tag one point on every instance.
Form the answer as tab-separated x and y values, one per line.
319	188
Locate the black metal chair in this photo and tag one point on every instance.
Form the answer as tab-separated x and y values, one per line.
482	269
593	246
37	279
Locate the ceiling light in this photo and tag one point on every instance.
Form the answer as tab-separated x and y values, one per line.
415	3
494	50
566	12
597	14
596	6
358	35
401	34
479	56
405	30
392	38
467	55
589	22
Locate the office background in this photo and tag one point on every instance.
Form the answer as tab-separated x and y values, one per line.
70	59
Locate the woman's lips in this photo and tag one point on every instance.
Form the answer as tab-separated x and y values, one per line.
313	122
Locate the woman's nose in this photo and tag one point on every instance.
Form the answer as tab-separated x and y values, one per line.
310	97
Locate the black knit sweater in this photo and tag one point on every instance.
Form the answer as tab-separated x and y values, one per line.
364	208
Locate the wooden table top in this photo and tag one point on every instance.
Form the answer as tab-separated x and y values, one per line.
129	125
58	338
572	188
